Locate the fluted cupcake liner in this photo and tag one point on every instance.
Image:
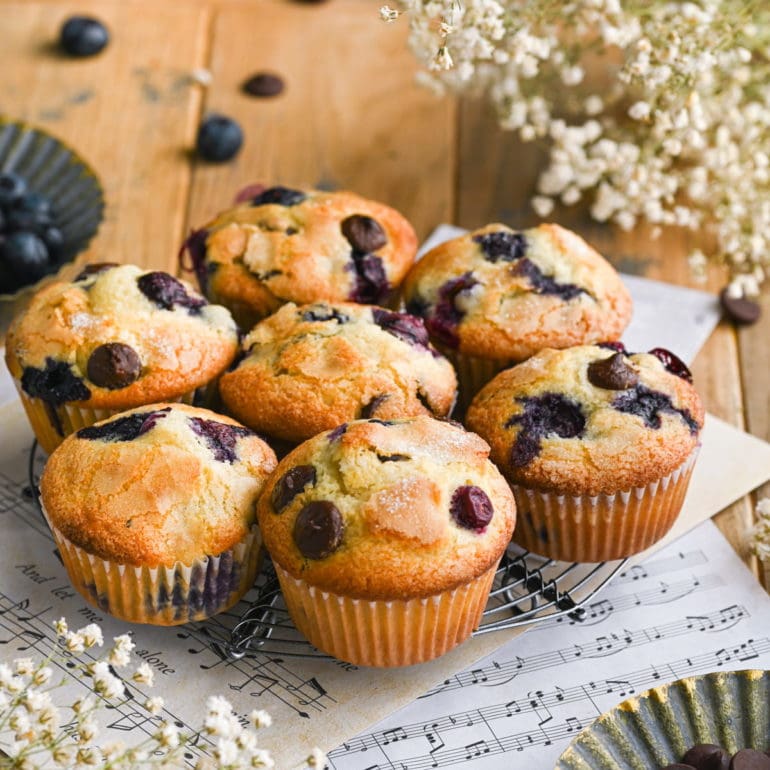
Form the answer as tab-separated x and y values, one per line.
727	708
52	424
385	633
591	528
473	373
164	595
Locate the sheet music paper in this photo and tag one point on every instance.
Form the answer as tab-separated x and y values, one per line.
691	608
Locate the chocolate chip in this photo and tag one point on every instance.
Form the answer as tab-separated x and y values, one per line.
220	437
113	365
672	363
263	84
54	384
750	759
318	529
364	233
291	484
93	269
125	428
707	756
471	508
612	373
740	310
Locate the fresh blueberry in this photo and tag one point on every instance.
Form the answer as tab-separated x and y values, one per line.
291	484
12	187
673	363
408	328
371	406
324	313
551	414
618	347
546	284
195	246
338	432
93	268
124	428
371	282
25	256
55	384
53	238
471	508
219	139
219	437
167	292
502	245
281	196
83	36
446	316
649	405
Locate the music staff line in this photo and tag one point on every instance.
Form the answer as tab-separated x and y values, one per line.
498	674
30	626
661	566
539	704
601	610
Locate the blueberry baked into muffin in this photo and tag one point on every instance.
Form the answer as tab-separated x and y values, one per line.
114	338
598	445
301	246
385	535
160	527
310	368
496	296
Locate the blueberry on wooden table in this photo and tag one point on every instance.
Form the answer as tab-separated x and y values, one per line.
219	138
83	36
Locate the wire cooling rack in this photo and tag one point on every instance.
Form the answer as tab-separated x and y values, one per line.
527	588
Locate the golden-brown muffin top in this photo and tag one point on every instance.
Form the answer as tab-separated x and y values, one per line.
118	337
387	509
302	246
313	367
589	419
502	294
156	485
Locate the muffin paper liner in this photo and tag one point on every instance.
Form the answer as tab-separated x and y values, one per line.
728	708
52	424
399	632
473	374
600	527
164	595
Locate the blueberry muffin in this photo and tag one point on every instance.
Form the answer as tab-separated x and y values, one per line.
385	535
310	368
160	527
598	445
115	338
496	296
301	246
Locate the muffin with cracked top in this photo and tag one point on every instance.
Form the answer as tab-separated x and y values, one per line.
160	527
386	535
310	368
114	338
496	296
282	245
598	445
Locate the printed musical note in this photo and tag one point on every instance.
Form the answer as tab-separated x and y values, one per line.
476	749
393	735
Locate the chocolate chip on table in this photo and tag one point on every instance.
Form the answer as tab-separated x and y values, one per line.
673	363
364	233
750	759
318	529
612	373
263	84
471	508
740	310
707	756
291	484
113	365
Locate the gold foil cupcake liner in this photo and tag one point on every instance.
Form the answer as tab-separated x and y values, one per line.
383	633
52	424
164	595
596	528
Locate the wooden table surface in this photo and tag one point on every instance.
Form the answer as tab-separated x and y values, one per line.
351	117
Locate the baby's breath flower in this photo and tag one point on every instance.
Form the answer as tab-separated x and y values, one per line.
154	704
112	750
87	730
24	666
260	718
74	642
168	735
60	626
42	676
105	682
86	757
760	535
389	14
63	755
316	758
92	636
226	751
143	674
262	758
84	705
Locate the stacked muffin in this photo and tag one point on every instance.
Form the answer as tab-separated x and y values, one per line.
386	525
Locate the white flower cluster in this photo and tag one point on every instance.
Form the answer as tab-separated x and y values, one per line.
36	733
652	111
760	535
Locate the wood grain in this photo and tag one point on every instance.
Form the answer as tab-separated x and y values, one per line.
128	111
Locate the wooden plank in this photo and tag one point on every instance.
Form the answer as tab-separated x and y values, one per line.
350	117
129	111
496	178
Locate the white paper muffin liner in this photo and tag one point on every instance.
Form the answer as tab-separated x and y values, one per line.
164	595
385	633
52	424
591	528
473	373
